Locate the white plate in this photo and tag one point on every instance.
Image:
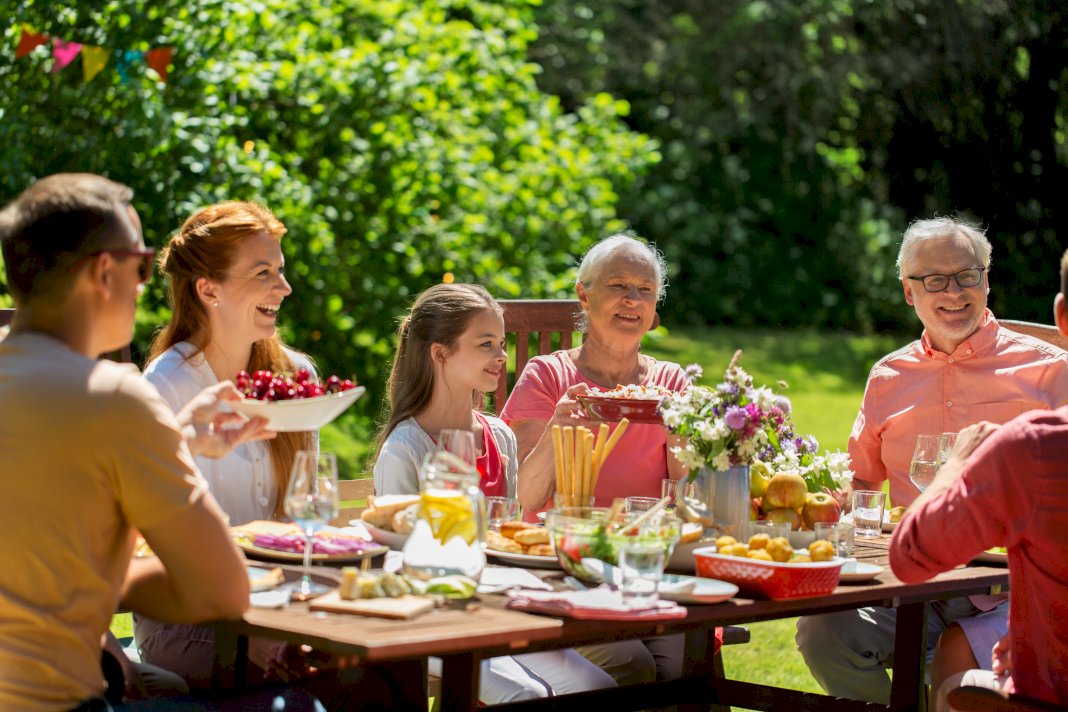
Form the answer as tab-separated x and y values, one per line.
704	590
383	536
299	414
856	571
527	561
265	554
888	526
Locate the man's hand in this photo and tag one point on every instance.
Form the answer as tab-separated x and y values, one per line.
969	438
204	424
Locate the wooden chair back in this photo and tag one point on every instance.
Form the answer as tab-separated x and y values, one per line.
122	355
552	324
980	699
353	494
1047	332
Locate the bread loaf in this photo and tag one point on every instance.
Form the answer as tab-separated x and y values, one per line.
380	510
404	521
509	529
533	535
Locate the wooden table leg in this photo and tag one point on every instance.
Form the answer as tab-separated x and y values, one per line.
699	661
460	678
909	691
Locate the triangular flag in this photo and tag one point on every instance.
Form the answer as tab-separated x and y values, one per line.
29	40
64	53
124	60
159	59
93	60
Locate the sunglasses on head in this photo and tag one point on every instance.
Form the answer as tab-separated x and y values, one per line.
144	269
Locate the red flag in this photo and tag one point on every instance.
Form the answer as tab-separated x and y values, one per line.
64	53
28	41
159	59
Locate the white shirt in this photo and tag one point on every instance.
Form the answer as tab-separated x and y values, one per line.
397	467
243	482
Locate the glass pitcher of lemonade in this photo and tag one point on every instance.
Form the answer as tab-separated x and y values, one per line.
449	532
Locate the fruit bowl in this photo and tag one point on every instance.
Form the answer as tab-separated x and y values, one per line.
770	579
588	551
299	414
612	410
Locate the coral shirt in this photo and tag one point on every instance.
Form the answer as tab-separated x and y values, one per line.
994	375
1013	492
639	461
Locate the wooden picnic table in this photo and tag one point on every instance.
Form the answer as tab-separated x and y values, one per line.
462	637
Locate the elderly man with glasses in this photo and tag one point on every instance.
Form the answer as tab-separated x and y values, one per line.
963	369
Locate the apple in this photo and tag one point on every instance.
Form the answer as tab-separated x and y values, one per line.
785	490
759	474
754	510
820	507
785	514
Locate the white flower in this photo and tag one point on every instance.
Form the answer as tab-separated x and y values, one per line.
722	461
764	397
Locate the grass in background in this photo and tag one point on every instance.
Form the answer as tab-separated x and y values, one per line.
826	374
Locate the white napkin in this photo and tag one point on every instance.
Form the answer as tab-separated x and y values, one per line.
496	579
269	599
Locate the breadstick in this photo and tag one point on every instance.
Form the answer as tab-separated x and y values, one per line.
580	464
587	475
558	458
616	435
598	451
569	460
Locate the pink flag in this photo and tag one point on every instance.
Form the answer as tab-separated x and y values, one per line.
159	59
64	53
29	40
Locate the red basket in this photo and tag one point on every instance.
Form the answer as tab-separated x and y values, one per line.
770	579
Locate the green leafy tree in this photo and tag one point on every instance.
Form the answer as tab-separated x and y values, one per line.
402	142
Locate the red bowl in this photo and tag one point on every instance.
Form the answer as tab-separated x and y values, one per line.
770	579
612	410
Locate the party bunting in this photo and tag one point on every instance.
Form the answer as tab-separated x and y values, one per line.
159	59
94	59
29	40
64	53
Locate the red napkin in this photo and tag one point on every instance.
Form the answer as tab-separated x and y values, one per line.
595	604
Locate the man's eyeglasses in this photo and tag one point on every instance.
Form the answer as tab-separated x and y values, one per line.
940	282
144	270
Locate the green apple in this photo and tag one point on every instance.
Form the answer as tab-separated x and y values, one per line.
759	474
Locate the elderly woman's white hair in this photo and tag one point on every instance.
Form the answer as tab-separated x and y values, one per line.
934	228
601	252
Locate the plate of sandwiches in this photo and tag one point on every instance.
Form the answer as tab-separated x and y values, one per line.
522	544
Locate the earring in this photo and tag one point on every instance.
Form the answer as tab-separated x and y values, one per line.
215	303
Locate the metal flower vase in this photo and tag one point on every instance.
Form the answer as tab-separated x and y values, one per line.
720	499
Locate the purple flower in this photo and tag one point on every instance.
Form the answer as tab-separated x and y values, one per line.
753	411
693	371
783	403
735	418
789	446
729	389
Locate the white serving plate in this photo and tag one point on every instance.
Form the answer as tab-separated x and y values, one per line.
383	536
854	571
694	589
527	561
299	414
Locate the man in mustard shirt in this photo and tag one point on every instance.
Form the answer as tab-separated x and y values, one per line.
964	368
89	452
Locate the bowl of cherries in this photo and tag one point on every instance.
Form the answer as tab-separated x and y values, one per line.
294	402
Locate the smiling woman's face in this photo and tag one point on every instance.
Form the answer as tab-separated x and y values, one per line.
621	298
253	291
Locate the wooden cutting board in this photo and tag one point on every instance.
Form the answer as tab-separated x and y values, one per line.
398	608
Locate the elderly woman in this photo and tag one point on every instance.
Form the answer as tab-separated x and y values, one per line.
620	281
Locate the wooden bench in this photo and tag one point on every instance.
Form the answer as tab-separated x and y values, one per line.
353	495
1046	332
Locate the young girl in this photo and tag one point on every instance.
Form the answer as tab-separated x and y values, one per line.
450	352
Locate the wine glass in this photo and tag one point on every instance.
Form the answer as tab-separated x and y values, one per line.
311	501
460	443
925	460
945	447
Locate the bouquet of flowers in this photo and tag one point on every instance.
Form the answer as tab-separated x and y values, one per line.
736	423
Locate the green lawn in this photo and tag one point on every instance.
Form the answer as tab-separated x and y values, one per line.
826	374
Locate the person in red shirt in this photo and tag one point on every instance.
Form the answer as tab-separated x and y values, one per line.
1006	486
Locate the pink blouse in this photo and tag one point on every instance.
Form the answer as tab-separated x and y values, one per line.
639	461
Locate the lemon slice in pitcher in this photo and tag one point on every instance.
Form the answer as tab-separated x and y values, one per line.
449	515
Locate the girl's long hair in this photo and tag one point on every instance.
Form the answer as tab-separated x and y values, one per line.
440	315
207	245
